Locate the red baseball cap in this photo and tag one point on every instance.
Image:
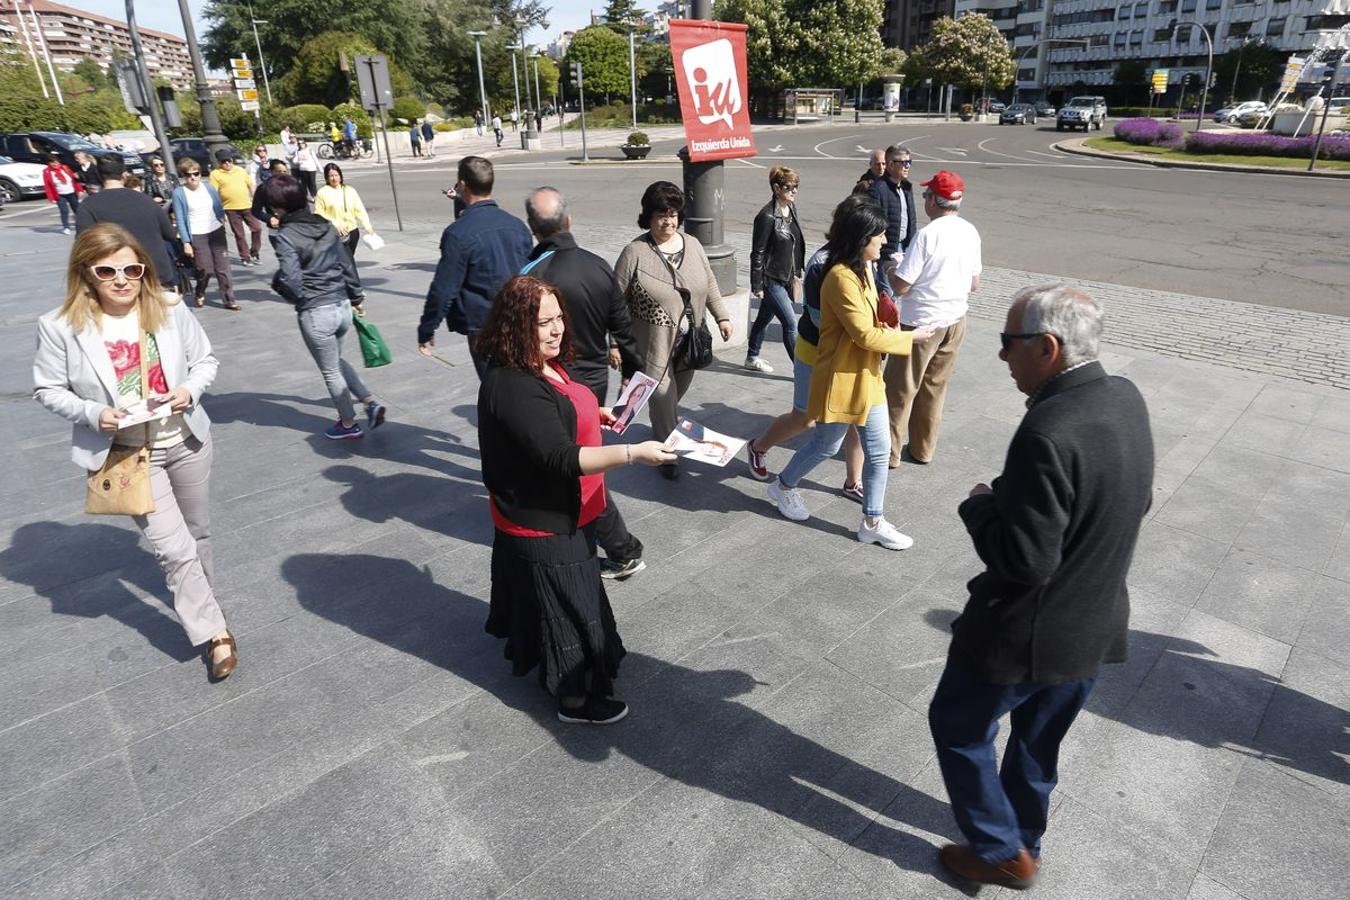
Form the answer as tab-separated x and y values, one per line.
945	184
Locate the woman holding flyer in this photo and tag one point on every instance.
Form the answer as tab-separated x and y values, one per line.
543	466
656	271
118	341
846	386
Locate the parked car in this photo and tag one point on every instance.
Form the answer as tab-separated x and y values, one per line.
19	180
1340	106
1232	114
1082	112
997	106
1044	108
195	148
1018	114
36	146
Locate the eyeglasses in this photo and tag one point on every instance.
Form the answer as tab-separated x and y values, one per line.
131	271
790	188
1006	339
157	165
196	174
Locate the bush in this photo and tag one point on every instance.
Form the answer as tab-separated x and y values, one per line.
1148	133
617	115
1131	112
304	115
638	139
1241	144
409	109
364	128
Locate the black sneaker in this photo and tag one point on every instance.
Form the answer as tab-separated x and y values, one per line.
621	570
595	711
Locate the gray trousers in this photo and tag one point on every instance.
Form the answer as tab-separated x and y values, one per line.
322	328
664	405
179	530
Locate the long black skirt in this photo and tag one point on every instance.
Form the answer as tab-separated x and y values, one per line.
550	605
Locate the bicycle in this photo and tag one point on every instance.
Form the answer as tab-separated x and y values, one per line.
338	150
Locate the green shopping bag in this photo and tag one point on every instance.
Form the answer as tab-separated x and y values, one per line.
374	350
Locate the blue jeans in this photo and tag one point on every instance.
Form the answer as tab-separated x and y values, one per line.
776	304
1001	810
67	203
825	440
322	328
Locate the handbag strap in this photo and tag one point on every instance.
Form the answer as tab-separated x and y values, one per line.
145	383
675	281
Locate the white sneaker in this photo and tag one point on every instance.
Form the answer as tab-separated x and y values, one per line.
755	364
885	534
789	501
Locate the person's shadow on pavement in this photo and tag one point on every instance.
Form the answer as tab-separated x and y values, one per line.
454	508
80	570
686	724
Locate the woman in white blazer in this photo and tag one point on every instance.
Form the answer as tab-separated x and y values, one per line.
88	370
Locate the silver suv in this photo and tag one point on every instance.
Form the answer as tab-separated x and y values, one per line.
1082	112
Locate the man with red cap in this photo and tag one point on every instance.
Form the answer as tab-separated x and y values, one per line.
933	281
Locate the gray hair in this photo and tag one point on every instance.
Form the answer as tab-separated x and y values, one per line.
896	151
1067	313
944	203
552	218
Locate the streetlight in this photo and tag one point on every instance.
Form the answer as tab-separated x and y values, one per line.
515	79
632	69
1232	92
1022	57
211	133
1173	27
538	97
262	64
482	90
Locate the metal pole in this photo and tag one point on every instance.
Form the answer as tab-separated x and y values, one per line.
47	54
515	79
704	189
581	103
632	71
1209	73
211	132
1326	110
1232	92
538	97
32	51
262	63
388	157
482	89
156	120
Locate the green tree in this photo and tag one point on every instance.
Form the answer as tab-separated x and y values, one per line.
839	41
619	14
549	76
408	109
771	41
969	52
604	60
92	74
1130	76
316	75
1261	66
657	78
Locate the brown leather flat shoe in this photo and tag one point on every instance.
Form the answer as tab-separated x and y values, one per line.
222	669
1018	873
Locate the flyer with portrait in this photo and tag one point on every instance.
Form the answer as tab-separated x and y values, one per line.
692	441
635	395
147	409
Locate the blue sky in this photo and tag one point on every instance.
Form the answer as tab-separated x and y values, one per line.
162	15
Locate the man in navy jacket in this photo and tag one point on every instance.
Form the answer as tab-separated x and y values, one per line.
1056	533
896	196
480	251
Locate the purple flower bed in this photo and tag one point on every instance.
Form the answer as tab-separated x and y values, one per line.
1148	133
1250	144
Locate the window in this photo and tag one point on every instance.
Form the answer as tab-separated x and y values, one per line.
1162	35
1141	10
1024	74
1120	40
1275	27
1167	6
1213	4
1188	6
1137	37
1325	23
1239	29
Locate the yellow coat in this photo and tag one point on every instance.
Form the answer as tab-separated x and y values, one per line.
846	382
342	206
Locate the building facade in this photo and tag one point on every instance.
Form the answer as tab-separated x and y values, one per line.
909	23
1097	35
72	35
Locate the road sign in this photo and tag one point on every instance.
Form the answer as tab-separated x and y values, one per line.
237	64
1293	70
250	105
1160	77
245	83
372	80
248	95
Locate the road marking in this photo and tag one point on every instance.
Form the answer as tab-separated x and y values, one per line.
982	146
778	149
957	150
816	148
862	149
749	163
24	212
1054	156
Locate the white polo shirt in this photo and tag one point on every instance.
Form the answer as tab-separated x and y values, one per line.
939	265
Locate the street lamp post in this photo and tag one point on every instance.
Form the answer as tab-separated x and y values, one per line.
632	70
1022	57
1209	68
482	89
1232	92
262	63
538	97
515	79
211	133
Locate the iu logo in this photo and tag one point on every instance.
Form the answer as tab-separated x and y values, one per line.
711	71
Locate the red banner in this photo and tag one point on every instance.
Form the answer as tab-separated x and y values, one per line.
710	68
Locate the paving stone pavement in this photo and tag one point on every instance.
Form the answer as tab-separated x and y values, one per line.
373	744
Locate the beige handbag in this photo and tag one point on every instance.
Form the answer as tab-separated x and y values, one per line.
121	487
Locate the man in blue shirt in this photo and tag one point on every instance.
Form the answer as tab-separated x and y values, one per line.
480	251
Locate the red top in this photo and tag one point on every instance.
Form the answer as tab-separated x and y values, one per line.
63	173
588	435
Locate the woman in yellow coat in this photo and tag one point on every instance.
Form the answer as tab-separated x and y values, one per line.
339	203
846	386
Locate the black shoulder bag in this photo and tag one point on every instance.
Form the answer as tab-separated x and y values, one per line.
693	348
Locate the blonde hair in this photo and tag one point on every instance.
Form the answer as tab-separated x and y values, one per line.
81	304
783	175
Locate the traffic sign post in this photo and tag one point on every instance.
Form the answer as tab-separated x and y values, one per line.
247	90
581	104
377	94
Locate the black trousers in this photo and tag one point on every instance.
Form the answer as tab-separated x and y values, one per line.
611	532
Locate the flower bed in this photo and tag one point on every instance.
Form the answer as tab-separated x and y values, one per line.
1148	133
1240	144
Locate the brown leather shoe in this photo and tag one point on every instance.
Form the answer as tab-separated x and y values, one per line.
1018	873
222	669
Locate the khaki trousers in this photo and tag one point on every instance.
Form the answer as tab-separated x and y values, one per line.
916	388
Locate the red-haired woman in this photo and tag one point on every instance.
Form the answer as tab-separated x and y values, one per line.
543	459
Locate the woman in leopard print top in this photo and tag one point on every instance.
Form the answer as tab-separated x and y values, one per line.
649	270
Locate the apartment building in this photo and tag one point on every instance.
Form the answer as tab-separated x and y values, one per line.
909	23
1099	34
72	35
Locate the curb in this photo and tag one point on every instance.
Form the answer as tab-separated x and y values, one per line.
1076	147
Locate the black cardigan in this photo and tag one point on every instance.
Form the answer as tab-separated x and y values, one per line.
1057	536
527	437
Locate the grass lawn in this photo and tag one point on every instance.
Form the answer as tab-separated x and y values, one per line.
1115	145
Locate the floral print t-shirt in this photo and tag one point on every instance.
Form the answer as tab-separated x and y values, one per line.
121	338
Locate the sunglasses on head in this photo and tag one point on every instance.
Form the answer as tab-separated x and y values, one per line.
131	271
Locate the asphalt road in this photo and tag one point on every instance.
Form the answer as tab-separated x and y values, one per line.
1267	239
